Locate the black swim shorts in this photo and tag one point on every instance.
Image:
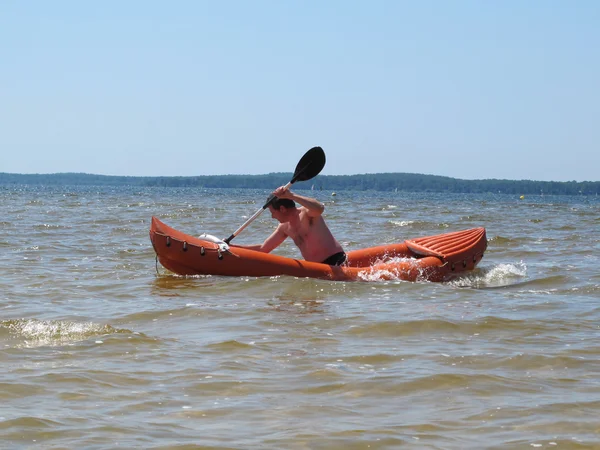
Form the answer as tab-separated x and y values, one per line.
337	259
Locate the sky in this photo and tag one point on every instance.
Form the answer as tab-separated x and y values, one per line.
467	89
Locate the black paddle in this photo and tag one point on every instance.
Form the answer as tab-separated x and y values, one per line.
308	167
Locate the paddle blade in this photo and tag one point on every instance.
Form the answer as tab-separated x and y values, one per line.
310	165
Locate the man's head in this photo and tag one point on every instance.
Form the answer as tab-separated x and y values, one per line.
280	208
277	202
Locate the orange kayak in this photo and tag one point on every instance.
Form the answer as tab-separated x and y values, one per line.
430	258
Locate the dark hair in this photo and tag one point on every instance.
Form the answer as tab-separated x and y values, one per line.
277	202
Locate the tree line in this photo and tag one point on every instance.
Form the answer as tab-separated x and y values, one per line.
409	182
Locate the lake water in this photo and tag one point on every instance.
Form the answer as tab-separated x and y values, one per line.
100	348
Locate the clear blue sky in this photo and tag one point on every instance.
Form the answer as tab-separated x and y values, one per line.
468	89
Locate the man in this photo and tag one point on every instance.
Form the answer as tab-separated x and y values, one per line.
305	225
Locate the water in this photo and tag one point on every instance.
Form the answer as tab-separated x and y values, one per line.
101	349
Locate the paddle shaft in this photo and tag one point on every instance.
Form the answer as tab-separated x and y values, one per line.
255	215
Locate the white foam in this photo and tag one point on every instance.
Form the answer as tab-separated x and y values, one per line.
39	333
498	275
402	223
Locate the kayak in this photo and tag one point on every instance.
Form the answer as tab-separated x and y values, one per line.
429	258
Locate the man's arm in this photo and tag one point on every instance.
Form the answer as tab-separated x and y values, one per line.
270	244
315	208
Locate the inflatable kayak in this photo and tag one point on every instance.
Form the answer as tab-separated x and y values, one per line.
430	258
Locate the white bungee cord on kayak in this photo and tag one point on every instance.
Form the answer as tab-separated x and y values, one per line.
223	246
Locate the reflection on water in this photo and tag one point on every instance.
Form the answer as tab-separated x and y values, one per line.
169	284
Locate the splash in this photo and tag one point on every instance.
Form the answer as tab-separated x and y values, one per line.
378	275
496	276
394	270
38	333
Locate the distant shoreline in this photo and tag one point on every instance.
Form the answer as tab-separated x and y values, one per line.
407	182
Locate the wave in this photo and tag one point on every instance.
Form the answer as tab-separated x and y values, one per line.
500	275
30	333
405	328
401	223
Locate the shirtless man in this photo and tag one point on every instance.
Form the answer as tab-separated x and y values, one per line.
305	225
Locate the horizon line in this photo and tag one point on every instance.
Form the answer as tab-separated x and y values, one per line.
286	173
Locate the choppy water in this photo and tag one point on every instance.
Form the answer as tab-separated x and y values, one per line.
100	351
